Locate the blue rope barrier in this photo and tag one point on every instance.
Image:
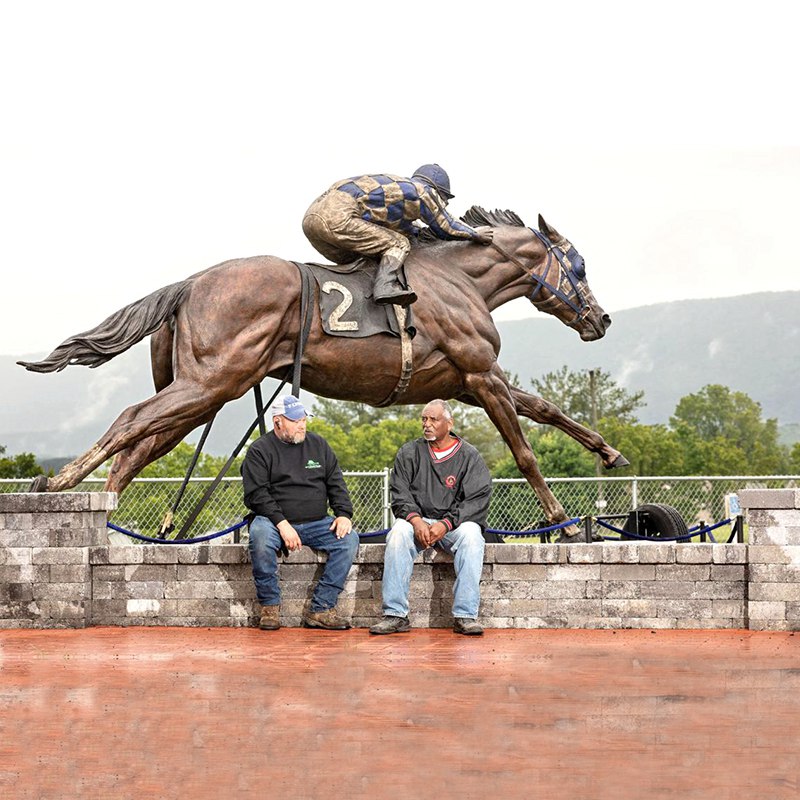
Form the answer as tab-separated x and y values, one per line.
696	531
175	541
497	530
549	528
360	535
373	533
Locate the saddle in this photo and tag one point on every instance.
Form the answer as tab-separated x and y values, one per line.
346	306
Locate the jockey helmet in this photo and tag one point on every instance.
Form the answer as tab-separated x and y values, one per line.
436	176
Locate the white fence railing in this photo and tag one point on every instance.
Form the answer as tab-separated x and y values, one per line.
514	506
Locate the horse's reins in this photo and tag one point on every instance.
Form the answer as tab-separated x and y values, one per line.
541	282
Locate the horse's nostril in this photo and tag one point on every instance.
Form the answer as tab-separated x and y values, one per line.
606	321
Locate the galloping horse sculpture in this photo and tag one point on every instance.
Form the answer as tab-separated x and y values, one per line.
223	330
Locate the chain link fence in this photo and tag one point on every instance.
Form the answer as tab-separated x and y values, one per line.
514	506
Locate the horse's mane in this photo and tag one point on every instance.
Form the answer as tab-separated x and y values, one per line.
476	216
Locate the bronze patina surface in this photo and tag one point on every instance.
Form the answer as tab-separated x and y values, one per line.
218	333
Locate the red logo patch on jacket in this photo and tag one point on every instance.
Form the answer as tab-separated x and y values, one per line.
450	481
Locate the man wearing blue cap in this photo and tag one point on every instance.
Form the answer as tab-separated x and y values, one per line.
374	215
290	476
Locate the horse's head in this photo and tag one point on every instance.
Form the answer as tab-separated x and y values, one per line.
560	287
553	272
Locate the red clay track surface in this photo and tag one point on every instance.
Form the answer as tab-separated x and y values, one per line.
240	713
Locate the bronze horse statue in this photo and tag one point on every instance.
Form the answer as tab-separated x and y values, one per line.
223	330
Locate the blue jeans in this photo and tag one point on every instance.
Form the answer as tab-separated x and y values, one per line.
465	543
266	542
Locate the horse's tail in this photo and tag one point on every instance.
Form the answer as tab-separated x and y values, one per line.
123	329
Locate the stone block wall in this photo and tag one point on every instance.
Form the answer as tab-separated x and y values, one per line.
773	516
522	586
45	575
58	569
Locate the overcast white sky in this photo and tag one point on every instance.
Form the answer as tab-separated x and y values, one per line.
141	142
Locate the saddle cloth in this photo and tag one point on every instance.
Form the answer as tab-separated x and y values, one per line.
346	305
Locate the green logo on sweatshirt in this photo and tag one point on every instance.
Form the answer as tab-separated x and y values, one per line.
311	464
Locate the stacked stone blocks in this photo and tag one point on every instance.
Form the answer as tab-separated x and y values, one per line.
773	517
58	569
45	575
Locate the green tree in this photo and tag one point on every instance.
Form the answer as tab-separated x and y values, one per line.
723	433
571	391
367	438
367	447
651	449
346	414
22	465
175	463
794	459
558	455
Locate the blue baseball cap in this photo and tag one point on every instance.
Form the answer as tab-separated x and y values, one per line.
290	407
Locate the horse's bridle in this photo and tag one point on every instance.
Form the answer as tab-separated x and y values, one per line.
572	271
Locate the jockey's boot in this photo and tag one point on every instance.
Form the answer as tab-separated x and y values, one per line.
388	288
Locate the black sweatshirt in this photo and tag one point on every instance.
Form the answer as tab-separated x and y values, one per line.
454	489
295	482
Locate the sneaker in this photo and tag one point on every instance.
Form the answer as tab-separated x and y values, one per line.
270	618
328	619
467	626
391	625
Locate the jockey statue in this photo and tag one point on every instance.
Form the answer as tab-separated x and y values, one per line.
374	215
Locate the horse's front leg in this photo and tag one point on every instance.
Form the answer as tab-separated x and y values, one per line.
543	411
492	391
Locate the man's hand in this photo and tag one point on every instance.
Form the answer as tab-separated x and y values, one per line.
341	526
485	234
289	535
437	532
422	531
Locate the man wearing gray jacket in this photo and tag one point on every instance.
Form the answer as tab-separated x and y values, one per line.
440	490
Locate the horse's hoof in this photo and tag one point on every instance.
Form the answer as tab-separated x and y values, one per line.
576	537
38	484
619	461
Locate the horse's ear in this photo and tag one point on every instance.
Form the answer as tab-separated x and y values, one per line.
551	233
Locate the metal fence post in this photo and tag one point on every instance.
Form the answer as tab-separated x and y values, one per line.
739	527
386	508
634	494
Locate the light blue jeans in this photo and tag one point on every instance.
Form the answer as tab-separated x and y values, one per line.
465	543
265	543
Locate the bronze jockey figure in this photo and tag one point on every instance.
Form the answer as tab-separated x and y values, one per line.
375	215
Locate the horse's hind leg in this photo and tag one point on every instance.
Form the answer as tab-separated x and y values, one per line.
172	412
543	411
492	391
161	356
130	461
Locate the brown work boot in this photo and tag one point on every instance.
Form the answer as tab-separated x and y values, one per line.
391	625
270	618
467	627
329	620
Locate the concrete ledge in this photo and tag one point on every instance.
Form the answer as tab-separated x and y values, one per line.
769	498
50	502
